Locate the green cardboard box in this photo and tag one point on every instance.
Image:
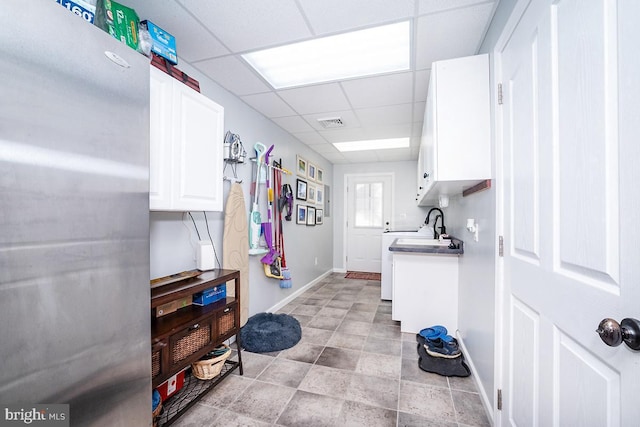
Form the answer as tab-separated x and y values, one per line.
119	21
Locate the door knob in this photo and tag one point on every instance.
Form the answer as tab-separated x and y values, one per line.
613	333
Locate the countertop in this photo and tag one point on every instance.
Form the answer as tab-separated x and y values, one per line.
455	248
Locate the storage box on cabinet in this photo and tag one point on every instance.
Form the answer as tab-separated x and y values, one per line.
186	142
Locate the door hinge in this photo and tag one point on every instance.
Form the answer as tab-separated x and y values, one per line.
500	246
499	93
499	400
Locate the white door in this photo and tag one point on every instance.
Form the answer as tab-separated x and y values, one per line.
570	134
368	215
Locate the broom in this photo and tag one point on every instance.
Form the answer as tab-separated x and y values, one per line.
285	282
271	260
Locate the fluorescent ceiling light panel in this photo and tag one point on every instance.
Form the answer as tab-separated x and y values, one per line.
373	144
367	52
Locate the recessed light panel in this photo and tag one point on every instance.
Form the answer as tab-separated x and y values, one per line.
367	52
373	144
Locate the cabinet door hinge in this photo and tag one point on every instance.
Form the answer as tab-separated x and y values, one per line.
499	400
499	93
500	246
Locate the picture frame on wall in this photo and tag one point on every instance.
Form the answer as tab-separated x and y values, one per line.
311	193
319	195
319	216
301	166
301	214
311	215
319	176
301	189
311	171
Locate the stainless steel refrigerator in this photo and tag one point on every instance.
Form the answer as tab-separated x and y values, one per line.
74	230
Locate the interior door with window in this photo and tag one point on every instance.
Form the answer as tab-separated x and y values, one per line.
368	215
571	212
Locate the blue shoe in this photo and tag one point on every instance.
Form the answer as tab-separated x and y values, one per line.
436	332
433	332
442	348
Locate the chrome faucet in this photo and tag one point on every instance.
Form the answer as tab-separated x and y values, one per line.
443	229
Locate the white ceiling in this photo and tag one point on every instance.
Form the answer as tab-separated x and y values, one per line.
211	36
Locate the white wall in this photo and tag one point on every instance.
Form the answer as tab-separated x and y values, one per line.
173	236
405	213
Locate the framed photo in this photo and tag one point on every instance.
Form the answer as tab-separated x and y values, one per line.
319	195
311	171
301	189
311	193
319	175
301	168
311	215
301	214
319	216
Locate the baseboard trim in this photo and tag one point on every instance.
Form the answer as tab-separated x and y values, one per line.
486	403
294	295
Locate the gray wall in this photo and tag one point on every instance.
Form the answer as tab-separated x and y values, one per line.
173	237
405	212
477	280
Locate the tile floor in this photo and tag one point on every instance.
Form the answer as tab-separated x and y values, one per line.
352	367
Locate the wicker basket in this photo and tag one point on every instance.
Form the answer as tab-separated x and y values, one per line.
210	368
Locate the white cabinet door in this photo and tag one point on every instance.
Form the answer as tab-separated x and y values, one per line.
425	291
186	147
456	145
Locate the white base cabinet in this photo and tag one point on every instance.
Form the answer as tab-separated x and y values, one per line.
425	291
186	135
455	148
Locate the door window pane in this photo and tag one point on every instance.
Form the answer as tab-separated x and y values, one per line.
368	212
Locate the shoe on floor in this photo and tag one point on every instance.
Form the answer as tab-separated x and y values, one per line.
436	332
442	348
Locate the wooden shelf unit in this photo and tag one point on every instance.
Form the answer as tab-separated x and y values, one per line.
178	339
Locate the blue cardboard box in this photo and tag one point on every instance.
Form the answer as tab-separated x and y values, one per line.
162	43
210	295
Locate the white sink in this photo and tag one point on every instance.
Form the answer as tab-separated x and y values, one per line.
423	242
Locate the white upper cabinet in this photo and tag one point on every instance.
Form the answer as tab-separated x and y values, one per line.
187	131
455	150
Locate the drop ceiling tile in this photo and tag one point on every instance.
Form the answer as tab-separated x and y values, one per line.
431	6
348	118
387	115
244	25
332	16
418	111
421	85
401	130
439	36
193	40
315	99
361	156
233	75
293	124
269	104
310	138
381	90
343	135
397	155
324	148
336	159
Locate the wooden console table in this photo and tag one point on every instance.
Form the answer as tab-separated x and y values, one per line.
181	338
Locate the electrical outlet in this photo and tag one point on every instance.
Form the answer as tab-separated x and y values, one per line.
316	261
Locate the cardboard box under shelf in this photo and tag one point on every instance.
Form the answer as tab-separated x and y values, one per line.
173	306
